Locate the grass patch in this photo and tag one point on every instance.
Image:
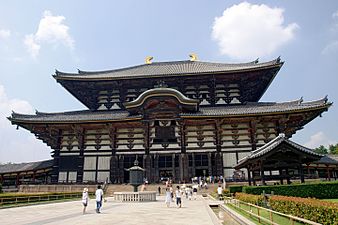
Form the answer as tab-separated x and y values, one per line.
332	200
263	213
38	203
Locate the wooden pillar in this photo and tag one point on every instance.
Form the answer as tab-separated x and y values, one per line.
281	176
173	167
1	178
17	180
156	170
308	170
219	155
209	164
301	172
287	176
56	156
253	177
33	176
181	167
193	165
328	173
80	139
249	175
262	173
121	169
253	136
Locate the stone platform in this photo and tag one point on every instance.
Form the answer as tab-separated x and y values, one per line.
193	212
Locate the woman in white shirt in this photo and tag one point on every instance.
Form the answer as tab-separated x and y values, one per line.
85	199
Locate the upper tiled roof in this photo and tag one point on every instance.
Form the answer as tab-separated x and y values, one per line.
256	108
167	68
19	167
272	145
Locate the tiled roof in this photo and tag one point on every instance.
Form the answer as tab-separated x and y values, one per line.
74	116
260	108
272	145
168	68
328	159
19	167
257	108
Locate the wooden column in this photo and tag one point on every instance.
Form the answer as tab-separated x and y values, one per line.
249	175
181	167
17	180
301	172
181	126
218	156
328	173
253	137
209	164
114	166
121	169
156	171
281	175
33	176
193	164
80	135
287	176
262	173
173	166
56	158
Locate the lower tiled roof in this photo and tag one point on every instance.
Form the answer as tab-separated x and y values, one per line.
30	166
257	108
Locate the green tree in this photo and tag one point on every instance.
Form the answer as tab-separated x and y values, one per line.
333	149
321	150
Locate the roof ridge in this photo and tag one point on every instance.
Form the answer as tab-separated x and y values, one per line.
83	72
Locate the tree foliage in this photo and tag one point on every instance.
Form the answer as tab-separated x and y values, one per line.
321	150
332	149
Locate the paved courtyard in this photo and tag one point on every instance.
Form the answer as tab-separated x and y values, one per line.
194	212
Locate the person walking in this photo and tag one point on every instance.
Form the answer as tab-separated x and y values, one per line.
195	191
168	197
85	199
178	197
220	192
98	198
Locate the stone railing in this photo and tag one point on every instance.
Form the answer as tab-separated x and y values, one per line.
145	196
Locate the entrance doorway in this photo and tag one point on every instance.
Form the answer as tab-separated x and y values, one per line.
201	172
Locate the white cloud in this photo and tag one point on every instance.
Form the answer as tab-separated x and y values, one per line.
4	34
247	31
331	48
32	47
17	145
319	139
51	30
335	14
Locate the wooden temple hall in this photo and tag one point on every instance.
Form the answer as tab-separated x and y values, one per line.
180	119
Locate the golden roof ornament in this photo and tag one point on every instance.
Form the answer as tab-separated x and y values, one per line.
148	59
193	57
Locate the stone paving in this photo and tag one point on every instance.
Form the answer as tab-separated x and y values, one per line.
194	212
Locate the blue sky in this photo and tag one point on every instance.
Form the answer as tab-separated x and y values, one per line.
37	37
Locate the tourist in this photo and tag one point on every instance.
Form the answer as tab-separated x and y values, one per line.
85	199
168	197
195	191
98	198
220	192
178	197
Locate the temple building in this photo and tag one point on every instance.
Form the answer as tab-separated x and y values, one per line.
180	119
